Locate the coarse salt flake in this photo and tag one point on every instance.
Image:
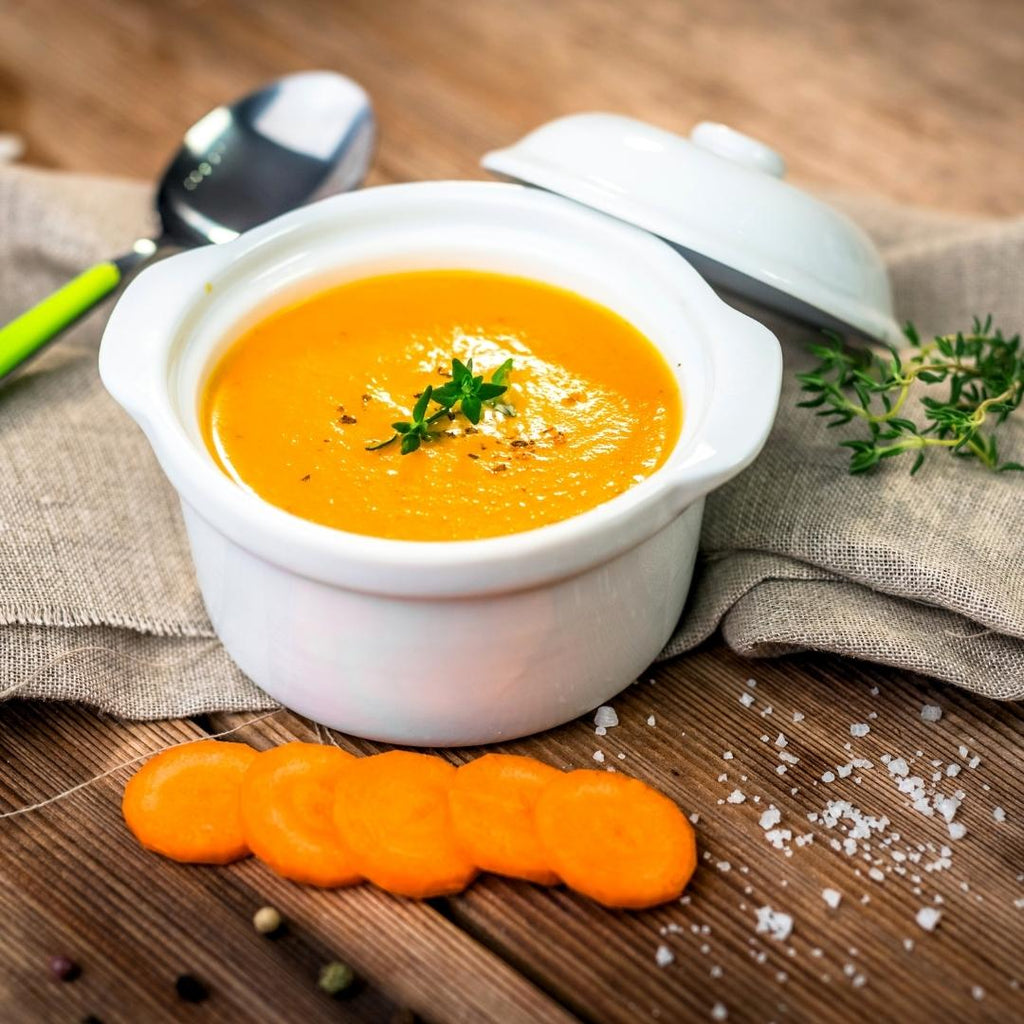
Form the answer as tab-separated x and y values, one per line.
746	699
663	956
956	830
719	1012
606	717
927	918
727	756
977	992
931	712
737	796
600	731
999	814
781	741
651	720
770	818
860	729
832	897
599	756
828	777
798	716
776	923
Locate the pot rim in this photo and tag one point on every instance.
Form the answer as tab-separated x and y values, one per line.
149	329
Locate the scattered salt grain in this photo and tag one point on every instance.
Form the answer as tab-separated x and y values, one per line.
716	971
977	992
600	731
859	729
876	874
719	1012
956	830
908	945
777	924
663	956
927	918
785	755
752	683
963	750
723	777
931	712
828	777
798	716
844	770
621	756
770	818
605	717
974	762
599	756
781	769
727	756
694	818
651	720
832	897
999	814
781	741
737	796
746	699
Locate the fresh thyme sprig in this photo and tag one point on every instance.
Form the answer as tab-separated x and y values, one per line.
985	374
464	393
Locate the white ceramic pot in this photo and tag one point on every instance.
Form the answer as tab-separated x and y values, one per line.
442	643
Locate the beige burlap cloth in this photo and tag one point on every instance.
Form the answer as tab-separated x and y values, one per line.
97	598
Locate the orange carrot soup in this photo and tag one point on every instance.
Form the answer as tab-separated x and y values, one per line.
358	407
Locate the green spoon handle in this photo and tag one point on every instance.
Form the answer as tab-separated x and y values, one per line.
24	336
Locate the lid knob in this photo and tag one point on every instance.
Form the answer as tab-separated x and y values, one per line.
726	142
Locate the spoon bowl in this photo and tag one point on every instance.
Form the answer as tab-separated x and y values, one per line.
302	137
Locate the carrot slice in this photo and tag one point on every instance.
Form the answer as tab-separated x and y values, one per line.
615	839
184	803
287	803
493	800
392	810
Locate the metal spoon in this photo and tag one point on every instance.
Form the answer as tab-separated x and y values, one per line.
304	136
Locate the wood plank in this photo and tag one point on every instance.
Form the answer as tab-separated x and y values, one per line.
914	103
601	963
74	882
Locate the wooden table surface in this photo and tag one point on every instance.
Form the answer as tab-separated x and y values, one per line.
919	101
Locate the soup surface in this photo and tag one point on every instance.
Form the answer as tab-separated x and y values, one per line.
591	407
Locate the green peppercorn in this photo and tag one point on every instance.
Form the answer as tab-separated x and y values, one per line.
335	977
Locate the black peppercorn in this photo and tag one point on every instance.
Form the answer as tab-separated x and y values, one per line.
190	988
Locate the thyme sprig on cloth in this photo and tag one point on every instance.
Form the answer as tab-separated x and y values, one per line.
464	393
984	376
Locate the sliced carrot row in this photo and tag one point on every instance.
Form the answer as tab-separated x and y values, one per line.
410	823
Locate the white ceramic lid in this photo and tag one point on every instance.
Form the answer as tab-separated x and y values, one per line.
719	198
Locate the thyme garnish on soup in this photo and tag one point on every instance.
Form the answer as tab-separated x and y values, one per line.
463	394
